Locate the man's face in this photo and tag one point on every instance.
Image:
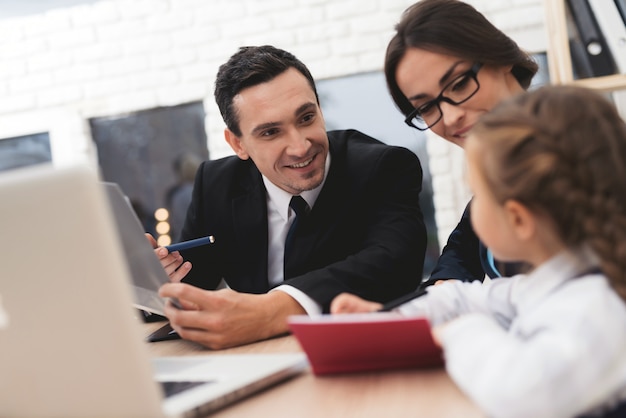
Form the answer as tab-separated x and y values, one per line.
282	131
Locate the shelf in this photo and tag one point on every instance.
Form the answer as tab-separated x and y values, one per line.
559	58
606	84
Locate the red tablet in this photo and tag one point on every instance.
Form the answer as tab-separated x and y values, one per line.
363	342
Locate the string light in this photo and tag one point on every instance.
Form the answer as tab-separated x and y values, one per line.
162	227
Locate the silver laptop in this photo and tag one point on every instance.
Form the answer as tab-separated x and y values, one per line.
146	271
70	343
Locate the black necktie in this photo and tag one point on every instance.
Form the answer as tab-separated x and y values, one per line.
300	208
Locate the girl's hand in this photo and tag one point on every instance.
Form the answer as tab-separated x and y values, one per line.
349	303
436	333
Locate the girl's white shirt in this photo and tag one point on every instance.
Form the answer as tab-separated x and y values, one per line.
548	344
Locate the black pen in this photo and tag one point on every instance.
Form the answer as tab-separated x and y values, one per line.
402	300
185	245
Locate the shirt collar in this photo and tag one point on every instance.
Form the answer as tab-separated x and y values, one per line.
564	266
280	199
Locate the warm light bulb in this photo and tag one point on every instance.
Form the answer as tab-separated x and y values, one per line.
164	240
161	214
162	228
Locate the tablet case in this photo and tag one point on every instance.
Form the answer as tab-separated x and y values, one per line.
365	342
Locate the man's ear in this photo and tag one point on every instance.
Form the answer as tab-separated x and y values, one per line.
235	143
521	220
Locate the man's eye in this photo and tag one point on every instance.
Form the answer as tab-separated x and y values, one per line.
269	132
308	117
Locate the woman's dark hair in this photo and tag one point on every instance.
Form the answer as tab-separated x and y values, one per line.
454	28
250	66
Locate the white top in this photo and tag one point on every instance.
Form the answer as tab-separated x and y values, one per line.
548	344
279	218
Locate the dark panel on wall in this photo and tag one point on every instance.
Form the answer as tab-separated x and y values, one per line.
24	150
138	150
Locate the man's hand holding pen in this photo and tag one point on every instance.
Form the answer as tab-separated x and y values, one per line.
173	263
219	318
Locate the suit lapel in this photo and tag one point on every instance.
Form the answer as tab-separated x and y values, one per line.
250	225
332	197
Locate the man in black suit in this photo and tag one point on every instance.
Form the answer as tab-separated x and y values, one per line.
361	230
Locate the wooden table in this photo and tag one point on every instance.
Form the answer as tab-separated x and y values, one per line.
399	393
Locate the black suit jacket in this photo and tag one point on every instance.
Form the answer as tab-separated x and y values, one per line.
463	257
364	235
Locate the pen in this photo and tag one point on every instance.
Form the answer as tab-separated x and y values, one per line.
185	245
402	300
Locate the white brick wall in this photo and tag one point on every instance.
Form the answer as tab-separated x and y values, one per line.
62	67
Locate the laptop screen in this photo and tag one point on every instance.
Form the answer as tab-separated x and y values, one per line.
146	271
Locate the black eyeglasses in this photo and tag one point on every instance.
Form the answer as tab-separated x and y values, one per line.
459	90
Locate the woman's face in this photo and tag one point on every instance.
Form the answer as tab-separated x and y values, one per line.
421	75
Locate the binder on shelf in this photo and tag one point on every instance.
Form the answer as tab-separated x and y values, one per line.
581	67
595	47
621	6
613	28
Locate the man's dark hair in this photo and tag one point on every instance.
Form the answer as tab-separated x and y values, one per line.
250	66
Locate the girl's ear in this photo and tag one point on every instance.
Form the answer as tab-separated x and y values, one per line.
235	143
521	220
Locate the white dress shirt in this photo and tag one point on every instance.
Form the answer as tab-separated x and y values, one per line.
548	344
279	218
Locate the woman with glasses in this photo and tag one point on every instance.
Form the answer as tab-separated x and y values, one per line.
445	66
